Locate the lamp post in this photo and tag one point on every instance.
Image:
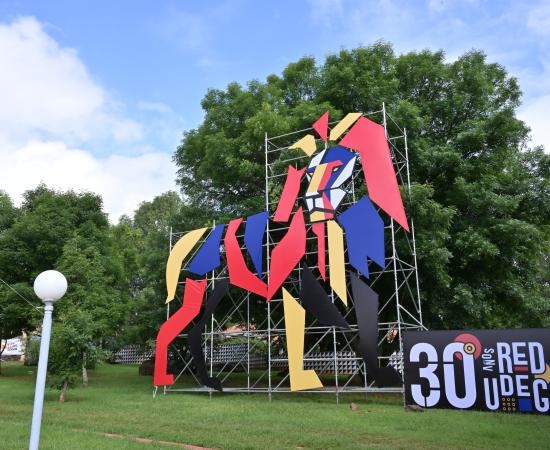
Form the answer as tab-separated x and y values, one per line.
49	286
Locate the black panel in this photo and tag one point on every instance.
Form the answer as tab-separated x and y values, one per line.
315	300
366	309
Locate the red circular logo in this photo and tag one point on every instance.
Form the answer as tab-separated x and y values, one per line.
472	346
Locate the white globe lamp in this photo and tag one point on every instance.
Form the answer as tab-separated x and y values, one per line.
49	287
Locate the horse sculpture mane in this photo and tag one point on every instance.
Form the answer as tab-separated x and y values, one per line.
360	224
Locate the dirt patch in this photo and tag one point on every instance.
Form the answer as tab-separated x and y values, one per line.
132	437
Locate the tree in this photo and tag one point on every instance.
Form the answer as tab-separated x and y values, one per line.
71	350
69	232
8	212
47	219
16	316
153	220
100	266
480	195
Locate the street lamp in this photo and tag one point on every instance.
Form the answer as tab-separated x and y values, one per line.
49	286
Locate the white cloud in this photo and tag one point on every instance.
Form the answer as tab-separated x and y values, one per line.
535	115
537	82
46	90
53	115
122	181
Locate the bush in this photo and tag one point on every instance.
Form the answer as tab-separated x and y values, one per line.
32	351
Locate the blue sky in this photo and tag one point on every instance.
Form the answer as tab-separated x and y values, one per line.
99	92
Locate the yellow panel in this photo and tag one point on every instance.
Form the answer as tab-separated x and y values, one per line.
295	321
316	178
343	125
546	375
175	260
336	263
307	144
317	216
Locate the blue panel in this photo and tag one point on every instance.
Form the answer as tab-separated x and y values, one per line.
525	405
253	238
208	256
337	154
364	230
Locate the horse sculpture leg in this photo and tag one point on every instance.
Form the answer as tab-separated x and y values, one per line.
192	300
195	335
366	307
316	302
295	317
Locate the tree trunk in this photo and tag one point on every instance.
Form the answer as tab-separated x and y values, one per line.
84	371
2	351
63	392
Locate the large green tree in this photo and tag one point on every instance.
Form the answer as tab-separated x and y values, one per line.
101	268
69	232
16	315
46	221
8	212
480	195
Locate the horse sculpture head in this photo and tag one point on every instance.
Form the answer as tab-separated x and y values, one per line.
329	169
327	172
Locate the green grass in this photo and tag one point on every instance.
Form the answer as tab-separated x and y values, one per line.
118	401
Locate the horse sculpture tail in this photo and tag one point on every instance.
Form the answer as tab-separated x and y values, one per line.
175	260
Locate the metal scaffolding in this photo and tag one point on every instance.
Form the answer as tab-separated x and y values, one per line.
250	356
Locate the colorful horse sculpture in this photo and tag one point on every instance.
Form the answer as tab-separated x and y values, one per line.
360	225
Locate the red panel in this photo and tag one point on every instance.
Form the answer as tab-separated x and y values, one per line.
319	230
328	205
369	139
192	300
321	126
290	192
330	166
287	254
239	274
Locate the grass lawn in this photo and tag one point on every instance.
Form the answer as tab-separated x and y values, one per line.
117	411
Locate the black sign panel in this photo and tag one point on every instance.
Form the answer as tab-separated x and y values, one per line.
494	370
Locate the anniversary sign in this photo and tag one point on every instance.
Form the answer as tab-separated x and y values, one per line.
495	370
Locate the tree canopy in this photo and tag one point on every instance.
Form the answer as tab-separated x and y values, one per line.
480	195
69	232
